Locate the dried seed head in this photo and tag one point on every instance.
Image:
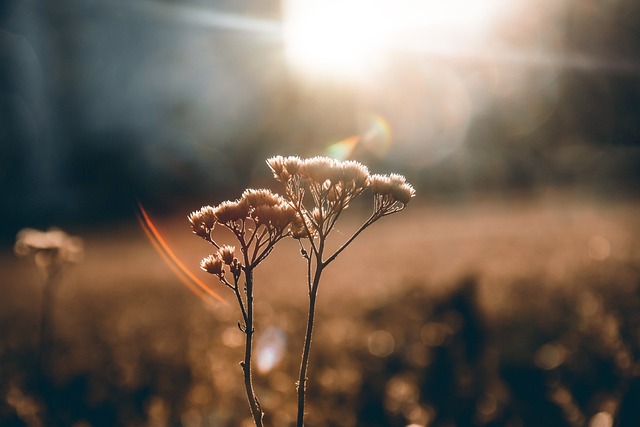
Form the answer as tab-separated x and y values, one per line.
285	215
261	197
355	174
278	217
403	193
277	166
263	215
228	212
292	164
320	169
380	184
203	221
213	264
401	190
227	254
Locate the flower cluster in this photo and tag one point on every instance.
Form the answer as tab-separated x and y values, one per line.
321	170
391	193
333	184
258	219
261	206
316	192
214	264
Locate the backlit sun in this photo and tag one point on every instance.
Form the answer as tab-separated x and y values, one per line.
350	37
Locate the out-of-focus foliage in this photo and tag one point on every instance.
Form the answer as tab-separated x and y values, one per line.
545	332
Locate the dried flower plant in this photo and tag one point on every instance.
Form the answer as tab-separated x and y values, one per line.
258	220
316	193
320	189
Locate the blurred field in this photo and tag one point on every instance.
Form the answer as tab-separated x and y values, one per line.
494	313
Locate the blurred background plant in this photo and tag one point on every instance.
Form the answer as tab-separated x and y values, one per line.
51	252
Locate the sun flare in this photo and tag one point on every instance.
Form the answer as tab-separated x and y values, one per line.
351	37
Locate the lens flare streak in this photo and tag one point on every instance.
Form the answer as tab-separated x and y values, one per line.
194	284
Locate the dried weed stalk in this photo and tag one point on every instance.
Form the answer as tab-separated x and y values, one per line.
316	193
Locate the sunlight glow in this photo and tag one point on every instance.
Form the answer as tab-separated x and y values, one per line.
351	37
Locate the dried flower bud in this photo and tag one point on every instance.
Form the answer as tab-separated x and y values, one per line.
227	254
356	173
380	184
228	212
285	214
292	164
401	191
261	197
277	166
263	214
213	265
320	169
202	221
278	217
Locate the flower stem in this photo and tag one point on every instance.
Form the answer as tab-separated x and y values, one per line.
254	404
304	363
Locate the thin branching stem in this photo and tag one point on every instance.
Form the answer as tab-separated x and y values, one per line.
254	403
304	362
374	217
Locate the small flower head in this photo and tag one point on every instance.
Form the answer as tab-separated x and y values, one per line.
320	169
227	254
263	215
285	215
401	190
213	264
380	184
262	197
355	174
277	166
228	212
277	217
292	164
394	189
202	221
